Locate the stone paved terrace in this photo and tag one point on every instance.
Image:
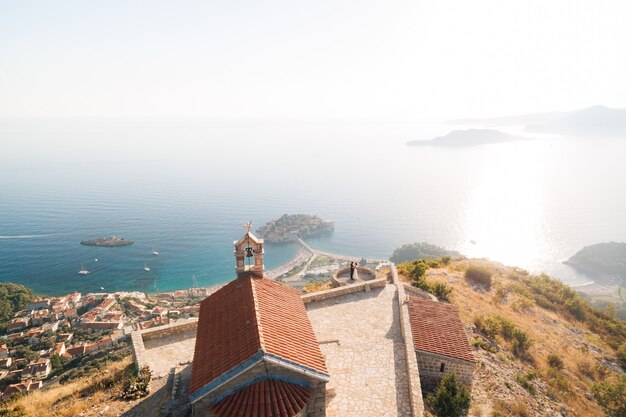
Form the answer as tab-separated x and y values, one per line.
361	340
167	352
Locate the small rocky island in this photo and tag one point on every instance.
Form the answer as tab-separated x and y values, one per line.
290	227
107	241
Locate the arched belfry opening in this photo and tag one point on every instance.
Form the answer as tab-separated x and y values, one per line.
249	254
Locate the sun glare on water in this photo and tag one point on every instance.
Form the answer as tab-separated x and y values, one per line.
503	218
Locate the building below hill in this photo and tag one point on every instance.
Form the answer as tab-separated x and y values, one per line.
256	353
441	344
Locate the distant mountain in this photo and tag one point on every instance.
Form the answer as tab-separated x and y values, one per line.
593	121
520	120
470	137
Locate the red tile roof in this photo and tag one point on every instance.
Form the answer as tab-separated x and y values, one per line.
248	315
285	326
437	328
266	398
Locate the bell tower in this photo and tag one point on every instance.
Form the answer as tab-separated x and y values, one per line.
249	254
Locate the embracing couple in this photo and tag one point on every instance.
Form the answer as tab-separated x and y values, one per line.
354	273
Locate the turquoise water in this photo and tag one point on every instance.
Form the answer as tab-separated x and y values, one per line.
187	187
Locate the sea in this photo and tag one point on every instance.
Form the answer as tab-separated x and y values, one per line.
186	187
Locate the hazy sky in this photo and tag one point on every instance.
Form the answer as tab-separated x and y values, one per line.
338	59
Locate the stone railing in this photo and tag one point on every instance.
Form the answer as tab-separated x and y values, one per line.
139	336
418	292
413	375
347	289
360	271
179	326
139	350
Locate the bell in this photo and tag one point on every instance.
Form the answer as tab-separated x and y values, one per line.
249	252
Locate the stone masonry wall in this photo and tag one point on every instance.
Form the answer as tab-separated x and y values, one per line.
413	371
348	289
139	350
418	292
430	368
179	326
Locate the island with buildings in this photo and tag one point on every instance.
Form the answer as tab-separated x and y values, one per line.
107	241
290	227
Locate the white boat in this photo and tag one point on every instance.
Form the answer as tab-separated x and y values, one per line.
96	260
155	252
83	271
145	267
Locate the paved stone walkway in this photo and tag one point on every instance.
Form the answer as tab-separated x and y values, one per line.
360	338
165	353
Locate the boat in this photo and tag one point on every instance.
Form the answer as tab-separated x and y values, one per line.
155	252
83	271
145	267
96	260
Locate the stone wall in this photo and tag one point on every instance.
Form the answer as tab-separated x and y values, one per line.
413	370
430	368
139	337
139	350
179	326
364	274
348	289
418	292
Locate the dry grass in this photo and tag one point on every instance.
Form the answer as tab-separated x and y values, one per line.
549	331
77	396
315	286
517	408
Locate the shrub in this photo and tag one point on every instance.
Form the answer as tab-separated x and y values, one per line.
557	381
445	260
440	290
500	294
522	304
555	361
451	399
13	297
621	356
493	326
479	275
611	396
524	380
138	386
521	343
415	269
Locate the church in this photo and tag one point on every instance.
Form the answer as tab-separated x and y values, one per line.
255	353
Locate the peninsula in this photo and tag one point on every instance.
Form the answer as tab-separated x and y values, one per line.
607	258
107	241
290	227
469	137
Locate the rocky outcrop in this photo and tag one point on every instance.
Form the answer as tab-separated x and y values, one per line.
107	241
